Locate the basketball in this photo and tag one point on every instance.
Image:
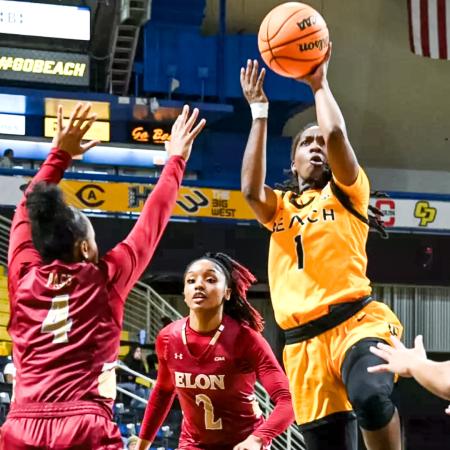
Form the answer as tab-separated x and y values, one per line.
293	39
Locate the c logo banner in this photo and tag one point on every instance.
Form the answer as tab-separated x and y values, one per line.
88	195
426	213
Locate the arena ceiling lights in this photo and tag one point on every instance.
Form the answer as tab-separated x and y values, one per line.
44	20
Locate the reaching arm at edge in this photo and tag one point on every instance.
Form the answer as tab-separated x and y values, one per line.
341	157
432	375
161	398
21	248
275	382
127	261
258	195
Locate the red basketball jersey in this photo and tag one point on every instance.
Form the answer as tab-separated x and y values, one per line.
216	388
66	319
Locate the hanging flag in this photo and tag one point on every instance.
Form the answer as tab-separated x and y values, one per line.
429	28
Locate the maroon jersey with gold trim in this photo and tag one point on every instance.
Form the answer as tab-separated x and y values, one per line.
66	319
216	386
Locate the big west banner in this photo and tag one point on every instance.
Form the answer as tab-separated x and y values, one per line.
124	198
44	67
430	215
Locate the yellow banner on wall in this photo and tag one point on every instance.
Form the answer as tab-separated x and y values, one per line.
102	109
126	197
98	130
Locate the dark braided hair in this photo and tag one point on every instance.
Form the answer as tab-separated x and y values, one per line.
55	226
239	279
374	214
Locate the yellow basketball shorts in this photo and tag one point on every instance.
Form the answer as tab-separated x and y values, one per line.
314	366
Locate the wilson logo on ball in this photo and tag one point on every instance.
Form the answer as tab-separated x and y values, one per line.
306	23
320	44
293	39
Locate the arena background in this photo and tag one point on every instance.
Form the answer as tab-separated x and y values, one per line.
396	105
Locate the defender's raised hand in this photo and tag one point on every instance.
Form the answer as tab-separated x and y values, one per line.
184	133
252	82
69	137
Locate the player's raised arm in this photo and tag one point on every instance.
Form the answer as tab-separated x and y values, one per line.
260	197
128	260
341	156
66	144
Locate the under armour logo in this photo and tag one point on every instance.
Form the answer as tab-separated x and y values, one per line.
178	355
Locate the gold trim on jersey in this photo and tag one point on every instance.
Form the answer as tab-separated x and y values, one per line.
213	340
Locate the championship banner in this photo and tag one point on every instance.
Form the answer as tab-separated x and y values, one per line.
126	198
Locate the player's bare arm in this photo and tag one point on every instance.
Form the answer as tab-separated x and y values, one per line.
413	362
259	196
340	154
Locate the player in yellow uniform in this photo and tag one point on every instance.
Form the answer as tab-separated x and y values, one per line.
317	273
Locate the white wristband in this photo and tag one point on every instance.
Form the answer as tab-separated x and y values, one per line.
260	110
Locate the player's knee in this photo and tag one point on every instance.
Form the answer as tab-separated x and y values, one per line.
373	406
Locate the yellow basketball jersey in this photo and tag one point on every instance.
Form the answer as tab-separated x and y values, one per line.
317	254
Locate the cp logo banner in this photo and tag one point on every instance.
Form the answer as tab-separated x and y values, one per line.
426	213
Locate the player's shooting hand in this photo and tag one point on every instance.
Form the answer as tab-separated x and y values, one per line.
142	444
184	133
69	137
318	77
252	82
251	443
399	359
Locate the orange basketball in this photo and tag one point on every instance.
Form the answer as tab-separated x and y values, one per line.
293	39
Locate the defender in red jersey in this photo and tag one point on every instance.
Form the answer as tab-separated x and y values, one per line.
67	305
212	360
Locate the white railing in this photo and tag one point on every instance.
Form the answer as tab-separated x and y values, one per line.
5	226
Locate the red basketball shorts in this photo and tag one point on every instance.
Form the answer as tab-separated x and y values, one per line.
83	431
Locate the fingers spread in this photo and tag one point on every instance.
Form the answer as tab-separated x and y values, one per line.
378	369
83	116
191	120
254	73
60	118
87	124
74	115
380	353
260	80
89	145
194	133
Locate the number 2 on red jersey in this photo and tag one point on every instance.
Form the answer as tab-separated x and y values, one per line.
210	423
57	321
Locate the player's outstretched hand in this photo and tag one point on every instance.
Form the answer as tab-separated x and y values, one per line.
399	359
184	133
251	443
252	82
69	137
318	77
